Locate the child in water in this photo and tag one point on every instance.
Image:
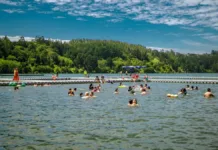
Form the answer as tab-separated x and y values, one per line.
133	102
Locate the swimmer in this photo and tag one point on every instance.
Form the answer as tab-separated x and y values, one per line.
130	89
116	91
208	94
96	89
132	92
188	87
141	87
91	87
70	92
86	95
143	92
81	94
91	94
133	102
16	88
183	91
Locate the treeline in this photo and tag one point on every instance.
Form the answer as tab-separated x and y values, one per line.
96	56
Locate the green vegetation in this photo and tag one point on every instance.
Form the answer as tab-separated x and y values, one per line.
95	56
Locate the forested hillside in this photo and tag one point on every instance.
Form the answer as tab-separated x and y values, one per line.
96	56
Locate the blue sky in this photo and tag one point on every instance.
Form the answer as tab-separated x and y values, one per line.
186	26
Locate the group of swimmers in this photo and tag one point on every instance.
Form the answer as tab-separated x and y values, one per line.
86	95
143	89
93	89
133	89
71	92
98	80
183	91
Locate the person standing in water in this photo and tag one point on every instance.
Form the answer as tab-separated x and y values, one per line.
16	75
208	93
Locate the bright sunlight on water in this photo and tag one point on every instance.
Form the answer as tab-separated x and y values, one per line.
47	118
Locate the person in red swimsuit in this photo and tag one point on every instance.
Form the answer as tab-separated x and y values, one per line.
16	75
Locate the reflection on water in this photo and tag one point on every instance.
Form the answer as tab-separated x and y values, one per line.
47	118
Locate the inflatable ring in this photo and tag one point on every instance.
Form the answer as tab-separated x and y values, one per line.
172	95
121	86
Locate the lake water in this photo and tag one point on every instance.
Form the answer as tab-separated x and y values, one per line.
47	118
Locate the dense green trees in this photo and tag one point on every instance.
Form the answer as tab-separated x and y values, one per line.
46	56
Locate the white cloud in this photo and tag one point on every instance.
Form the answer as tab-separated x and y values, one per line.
81	19
115	20
208	36
192	43
98	14
199	47
45	12
59	17
160	48
7	2
16	38
58	2
188	13
169	49
10	11
192	29
31	7
173	34
199	44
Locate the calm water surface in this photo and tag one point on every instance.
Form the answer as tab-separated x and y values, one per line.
47	118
